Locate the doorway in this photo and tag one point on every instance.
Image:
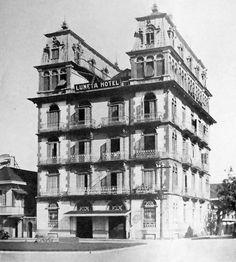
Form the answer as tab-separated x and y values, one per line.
84	227
30	227
117	227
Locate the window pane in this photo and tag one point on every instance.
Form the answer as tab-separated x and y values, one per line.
140	70
160	67
149	69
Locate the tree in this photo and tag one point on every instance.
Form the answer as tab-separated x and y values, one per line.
226	202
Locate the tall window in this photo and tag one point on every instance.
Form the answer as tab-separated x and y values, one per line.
55	53
174	142
185	181
53	215
150	36
2	198
82	115
148	178
53	183
46	81
174	108
116	110
81	151
53	149
150	66
140	67
53	116
149	219
54	79
193	183
63	74
150	106
160	65
183	115
174	178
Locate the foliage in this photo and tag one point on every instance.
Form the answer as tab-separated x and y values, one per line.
227	195
211	223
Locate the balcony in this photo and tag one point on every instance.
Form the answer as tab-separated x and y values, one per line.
51	192
196	165
146	154
99	190
114	121
83	158
187	127
146	118
10	211
52	161
113	156
186	159
82	124
146	189
46	127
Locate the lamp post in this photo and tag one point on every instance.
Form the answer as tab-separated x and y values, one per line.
161	166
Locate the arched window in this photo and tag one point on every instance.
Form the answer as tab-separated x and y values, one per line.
54	79
53	215
46	81
160	65
150	106
150	66
174	108
150	36
53	116
140	67
149	219
63	74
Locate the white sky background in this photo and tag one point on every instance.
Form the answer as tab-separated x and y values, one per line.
208	26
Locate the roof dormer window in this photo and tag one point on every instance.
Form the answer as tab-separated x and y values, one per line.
150	36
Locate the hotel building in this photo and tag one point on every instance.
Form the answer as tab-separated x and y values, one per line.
123	153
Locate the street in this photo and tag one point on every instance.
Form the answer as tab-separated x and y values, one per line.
183	250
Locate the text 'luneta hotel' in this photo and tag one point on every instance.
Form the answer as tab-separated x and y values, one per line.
123	153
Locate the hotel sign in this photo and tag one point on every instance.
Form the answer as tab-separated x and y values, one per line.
97	85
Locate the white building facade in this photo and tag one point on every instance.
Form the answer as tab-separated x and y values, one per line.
123	154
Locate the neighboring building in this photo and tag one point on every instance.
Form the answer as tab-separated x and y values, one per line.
18	189
125	158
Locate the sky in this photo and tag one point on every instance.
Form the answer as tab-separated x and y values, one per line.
208	26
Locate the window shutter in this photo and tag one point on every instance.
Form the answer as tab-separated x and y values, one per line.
108	145
49	148
87	147
141	145
152	108
103	149
160	67
121	111
87	115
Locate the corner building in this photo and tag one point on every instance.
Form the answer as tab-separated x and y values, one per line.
123	153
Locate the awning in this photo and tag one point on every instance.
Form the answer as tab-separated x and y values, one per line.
106	213
19	191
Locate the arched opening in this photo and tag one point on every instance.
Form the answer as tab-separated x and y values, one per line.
54	79
150	66
46	81
140	67
30	230
150	36
53	215
150	107
84	225
117	224
160	65
149	208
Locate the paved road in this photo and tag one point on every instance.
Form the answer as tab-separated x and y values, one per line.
207	250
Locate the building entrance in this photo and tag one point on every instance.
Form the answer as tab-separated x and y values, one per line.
117	227
84	227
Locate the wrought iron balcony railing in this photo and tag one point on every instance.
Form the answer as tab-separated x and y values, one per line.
145	189
113	156
145	118
143	154
98	190
80	124
114	121
52	160
52	127
51	192
82	158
